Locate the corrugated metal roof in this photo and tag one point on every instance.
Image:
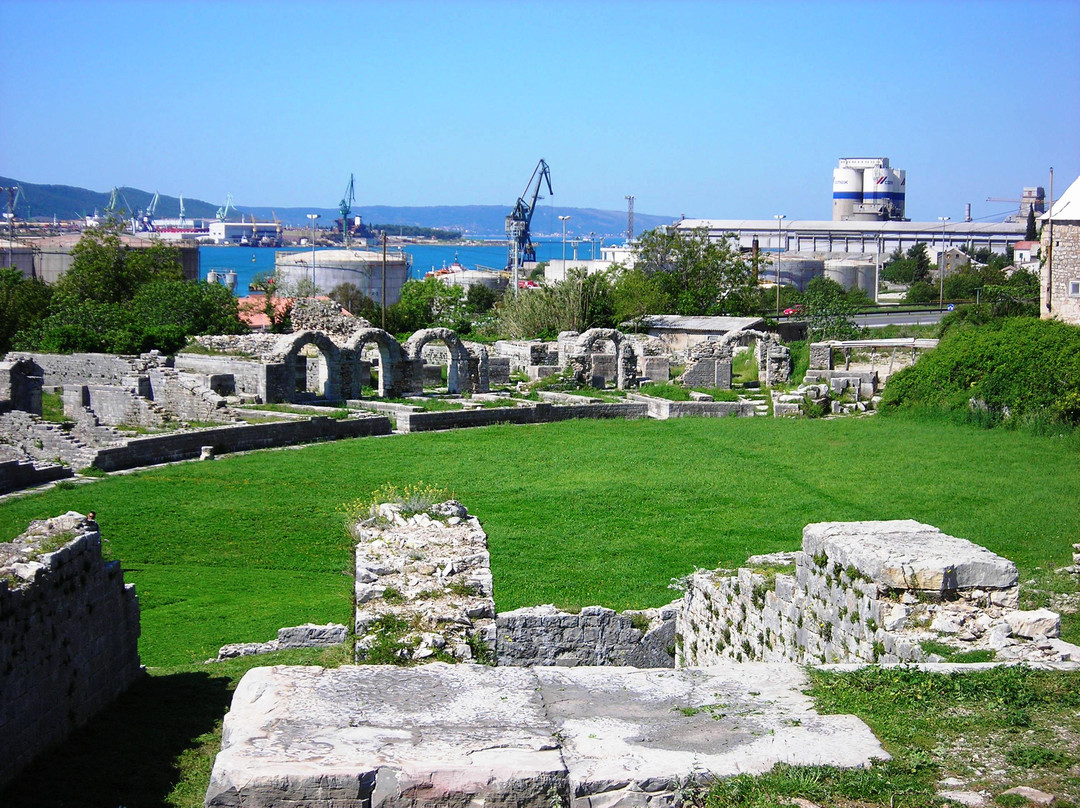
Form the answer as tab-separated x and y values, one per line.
716	325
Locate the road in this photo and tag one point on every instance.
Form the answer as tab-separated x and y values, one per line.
878	319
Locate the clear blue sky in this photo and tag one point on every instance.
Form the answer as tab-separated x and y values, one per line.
715	109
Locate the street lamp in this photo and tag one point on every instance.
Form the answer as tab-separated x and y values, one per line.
313	217
779	234
941	264
564	219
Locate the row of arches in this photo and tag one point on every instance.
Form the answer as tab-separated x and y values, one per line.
311	363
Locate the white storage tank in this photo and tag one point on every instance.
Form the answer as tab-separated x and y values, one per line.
847	192
797	271
852	273
362	268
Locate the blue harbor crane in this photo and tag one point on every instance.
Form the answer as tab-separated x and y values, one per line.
222	213
345	206
519	244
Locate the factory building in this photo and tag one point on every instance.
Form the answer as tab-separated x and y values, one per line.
254	234
362	268
867	189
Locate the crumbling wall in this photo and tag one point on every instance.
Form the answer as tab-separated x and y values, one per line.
69	629
20	386
91	368
865	592
544	635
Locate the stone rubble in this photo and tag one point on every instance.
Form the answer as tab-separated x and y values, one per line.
309	635
867	592
431	570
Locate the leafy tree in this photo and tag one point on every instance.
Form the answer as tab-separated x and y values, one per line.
349	296
578	303
827	311
921	292
1031	233
275	303
428	303
103	269
696	274
480	299
23	304
910	268
636	294
189	308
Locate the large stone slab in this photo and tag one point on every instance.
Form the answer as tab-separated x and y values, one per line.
905	554
386	737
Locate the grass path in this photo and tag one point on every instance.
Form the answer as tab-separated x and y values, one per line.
577	513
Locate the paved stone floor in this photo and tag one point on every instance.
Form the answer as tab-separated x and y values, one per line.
461	735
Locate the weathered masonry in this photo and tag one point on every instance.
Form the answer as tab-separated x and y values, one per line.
865	592
69	630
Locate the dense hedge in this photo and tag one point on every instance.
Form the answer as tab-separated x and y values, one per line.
1018	368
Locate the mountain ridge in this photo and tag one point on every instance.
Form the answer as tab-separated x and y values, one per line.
43	201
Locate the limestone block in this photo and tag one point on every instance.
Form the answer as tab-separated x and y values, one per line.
1036	623
310	635
905	554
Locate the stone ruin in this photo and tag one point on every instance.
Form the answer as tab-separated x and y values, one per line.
866	592
69	630
423	584
563	717
709	363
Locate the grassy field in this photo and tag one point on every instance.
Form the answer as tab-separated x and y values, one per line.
577	513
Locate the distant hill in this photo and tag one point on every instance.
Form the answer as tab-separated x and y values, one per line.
68	202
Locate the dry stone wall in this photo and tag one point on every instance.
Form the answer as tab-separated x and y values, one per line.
69	630
866	592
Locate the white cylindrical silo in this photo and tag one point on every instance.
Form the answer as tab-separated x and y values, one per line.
798	271
841	272
852	273
901	203
847	192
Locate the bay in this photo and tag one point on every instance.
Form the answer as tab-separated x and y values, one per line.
247	262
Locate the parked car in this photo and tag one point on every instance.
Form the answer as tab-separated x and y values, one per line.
796	309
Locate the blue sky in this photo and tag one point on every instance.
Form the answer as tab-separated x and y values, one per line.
723	109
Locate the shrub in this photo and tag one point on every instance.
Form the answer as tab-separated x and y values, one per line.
1017	367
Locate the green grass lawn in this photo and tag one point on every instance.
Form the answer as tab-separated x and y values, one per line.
577	513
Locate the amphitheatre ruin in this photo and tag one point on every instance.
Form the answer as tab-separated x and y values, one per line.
451	701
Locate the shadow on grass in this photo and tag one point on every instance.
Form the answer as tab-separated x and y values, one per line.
129	754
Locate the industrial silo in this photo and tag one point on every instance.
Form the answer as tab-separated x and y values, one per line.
362	268
852	273
797	271
847	192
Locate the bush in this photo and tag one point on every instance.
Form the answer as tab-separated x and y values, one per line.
1017	368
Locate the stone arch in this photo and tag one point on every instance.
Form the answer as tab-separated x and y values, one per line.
328	381
773	359
456	370
394	375
625	355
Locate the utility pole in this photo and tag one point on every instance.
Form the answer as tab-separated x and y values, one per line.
383	301
941	265
629	219
10	216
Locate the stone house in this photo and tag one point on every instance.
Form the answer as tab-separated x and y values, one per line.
1060	277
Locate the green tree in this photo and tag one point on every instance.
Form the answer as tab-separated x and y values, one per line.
910	268
827	311
1031	233
350	297
428	303
580	302
24	302
105	270
636	294
480	299
696	274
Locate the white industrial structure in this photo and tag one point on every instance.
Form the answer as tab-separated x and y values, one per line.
866	189
361	268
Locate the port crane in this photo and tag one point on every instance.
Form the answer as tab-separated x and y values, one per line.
519	244
146	221
345	206
222	213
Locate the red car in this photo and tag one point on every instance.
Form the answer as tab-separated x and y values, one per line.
796	309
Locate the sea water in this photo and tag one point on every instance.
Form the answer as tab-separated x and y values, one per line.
247	262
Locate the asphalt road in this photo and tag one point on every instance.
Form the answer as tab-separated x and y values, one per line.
898	318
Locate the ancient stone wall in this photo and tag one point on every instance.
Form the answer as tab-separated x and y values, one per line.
16	475
540	413
543	635
865	592
662	408
248	376
69	630
20	386
234	438
91	368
